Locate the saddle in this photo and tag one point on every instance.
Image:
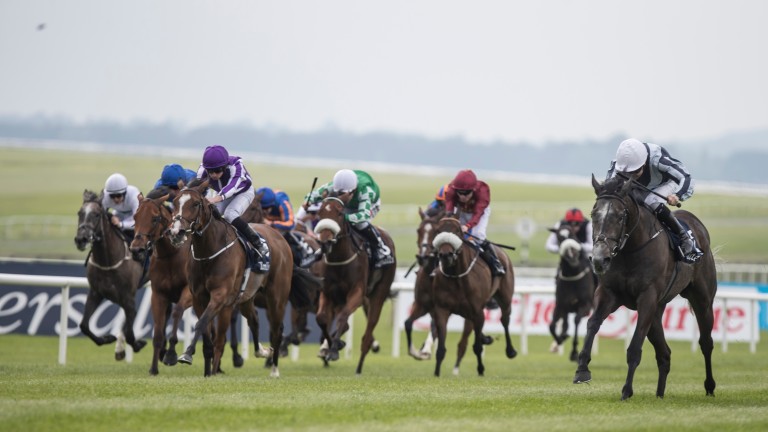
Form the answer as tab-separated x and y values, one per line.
251	254
303	254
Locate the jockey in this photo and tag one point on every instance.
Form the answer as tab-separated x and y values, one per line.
278	211
653	167
362	202
469	199
438	205
228	177
121	200
581	227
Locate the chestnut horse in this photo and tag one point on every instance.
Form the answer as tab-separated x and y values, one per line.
112	273
637	268
219	279
167	273
350	280
574	289
463	284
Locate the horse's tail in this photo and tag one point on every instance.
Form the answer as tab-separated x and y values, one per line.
301	282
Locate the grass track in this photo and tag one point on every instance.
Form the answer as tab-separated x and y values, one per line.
530	393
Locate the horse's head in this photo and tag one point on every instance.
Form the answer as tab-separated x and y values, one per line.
191	214
611	215
331	225
151	223
570	248
448	241
89	220
424	235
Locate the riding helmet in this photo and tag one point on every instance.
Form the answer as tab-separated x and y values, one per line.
345	181
171	175
574	215
116	184
631	155
267	197
464	180
215	156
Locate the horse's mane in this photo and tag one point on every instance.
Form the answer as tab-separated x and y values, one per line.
158	192
196	182
612	186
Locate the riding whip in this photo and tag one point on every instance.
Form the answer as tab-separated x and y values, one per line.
643	187
410	268
314	182
493	243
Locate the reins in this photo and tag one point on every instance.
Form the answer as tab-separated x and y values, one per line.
95	238
621	242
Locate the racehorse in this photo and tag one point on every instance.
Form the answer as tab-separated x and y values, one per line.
112	273
422	293
350	280
574	289
219	279
463	285
303	246
167	273
637	268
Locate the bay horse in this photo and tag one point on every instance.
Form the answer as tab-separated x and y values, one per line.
574	289
303	246
422	294
637	269
349	280
167	273
220	280
463	284
111	271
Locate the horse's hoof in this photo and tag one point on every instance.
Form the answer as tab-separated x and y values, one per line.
119	355
511	353
455	372
333	355
237	360
153	371
185	359
322	353
268	362
582	377
138	345
171	358
375	347
487	340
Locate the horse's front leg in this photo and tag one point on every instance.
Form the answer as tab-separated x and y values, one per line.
646	313
416	313
605	304
323	318
478	322
177	315
354	300
441	320
91	303
461	348
237	359
575	349
159	312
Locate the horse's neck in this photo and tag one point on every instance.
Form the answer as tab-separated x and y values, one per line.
214	236
112	247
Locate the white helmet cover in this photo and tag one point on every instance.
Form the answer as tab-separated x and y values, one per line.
631	155
344	181
116	184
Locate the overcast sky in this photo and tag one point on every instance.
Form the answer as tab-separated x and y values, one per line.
485	70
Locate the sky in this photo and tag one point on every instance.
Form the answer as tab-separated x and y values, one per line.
518	71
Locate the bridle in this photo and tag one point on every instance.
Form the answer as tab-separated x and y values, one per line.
198	203
95	235
454	255
624	234
157	220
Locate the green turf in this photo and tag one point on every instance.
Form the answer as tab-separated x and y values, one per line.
44	183
529	393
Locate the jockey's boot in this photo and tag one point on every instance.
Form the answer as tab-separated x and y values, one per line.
691	253
382	255
488	253
257	241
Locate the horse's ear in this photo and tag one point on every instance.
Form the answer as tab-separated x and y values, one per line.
160	200
625	188
201	187
596	185
89	196
422	214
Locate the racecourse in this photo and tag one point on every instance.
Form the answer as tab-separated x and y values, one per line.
532	392
529	393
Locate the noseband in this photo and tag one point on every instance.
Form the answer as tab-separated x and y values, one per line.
196	222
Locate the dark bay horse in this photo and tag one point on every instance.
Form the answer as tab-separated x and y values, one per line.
349	280
463	285
422	293
112	273
637	269
220	281
167	273
574	289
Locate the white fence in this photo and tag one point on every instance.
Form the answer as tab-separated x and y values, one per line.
523	293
